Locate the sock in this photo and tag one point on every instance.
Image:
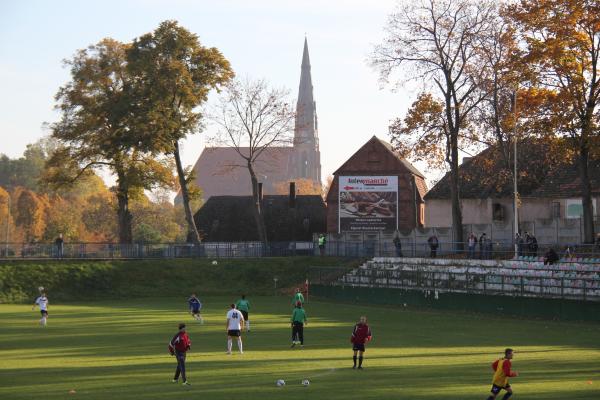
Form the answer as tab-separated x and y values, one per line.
43	321
248	326
354	360
239	341
229	344
506	396
360	359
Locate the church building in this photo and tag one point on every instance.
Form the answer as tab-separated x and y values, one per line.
277	165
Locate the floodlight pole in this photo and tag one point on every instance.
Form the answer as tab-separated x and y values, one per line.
516	192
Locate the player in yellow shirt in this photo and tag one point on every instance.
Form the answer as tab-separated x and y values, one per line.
502	371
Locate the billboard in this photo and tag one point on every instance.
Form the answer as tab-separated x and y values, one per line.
368	203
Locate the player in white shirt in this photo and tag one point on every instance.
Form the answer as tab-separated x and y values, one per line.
42	302
234	326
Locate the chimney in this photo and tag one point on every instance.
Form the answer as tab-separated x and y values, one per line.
292	194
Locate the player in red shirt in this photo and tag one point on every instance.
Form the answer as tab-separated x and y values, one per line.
360	336
178	346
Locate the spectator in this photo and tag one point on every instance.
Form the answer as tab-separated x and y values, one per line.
519	243
533	246
486	247
471	242
398	244
568	252
527	244
482	244
550	257
59	245
322	243
433	245
598	241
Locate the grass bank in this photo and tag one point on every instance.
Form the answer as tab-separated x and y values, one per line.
79	280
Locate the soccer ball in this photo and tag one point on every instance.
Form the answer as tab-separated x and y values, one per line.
305	382
214	262
280	382
41	289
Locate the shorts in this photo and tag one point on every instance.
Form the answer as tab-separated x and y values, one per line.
44	312
496	389
195	310
245	314
358	347
235	333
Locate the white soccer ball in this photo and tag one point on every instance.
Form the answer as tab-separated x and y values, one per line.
305	382
41	288
280	382
214	262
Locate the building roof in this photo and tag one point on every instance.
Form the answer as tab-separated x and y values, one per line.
230	218
402	162
220	171
544	171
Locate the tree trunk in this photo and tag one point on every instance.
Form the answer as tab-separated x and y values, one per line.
193	234
586	195
457	228
257	207
124	215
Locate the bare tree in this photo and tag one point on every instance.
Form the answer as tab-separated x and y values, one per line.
251	118
436	41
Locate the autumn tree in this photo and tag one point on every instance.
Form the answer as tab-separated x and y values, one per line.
100	128
30	215
304	186
173	75
562	39
437	42
252	117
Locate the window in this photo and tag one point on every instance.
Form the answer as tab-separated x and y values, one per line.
422	214
497	212
574	209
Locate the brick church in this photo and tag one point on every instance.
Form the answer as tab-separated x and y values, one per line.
277	165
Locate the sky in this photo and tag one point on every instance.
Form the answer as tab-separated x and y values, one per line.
261	39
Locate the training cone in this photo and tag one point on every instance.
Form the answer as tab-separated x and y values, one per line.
589	382
72	391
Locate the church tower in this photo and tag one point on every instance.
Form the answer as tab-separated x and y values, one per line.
307	158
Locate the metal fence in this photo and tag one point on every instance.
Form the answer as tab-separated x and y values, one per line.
585	285
347	249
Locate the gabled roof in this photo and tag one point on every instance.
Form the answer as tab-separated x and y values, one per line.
387	149
544	171
220	171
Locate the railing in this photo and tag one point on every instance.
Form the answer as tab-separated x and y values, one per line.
350	249
494	281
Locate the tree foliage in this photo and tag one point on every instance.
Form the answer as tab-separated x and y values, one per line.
562	39
173	75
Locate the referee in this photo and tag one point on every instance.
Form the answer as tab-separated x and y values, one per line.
244	306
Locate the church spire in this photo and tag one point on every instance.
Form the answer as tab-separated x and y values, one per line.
305	129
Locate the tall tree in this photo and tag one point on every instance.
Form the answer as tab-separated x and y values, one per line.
436	41
99	128
563	47
252	118
174	74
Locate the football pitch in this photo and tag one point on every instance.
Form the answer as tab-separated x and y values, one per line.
117	350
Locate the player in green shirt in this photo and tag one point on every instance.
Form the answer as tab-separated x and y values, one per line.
298	321
298	297
244	306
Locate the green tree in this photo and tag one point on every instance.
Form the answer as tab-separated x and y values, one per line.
99	128
174	74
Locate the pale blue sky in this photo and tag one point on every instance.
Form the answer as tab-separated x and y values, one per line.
260	38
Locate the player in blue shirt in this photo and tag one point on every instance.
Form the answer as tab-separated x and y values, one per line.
195	306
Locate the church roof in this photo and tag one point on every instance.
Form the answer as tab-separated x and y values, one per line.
220	171
305	106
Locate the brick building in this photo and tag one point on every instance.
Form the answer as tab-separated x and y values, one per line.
380	191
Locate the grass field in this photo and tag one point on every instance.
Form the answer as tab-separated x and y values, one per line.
117	350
